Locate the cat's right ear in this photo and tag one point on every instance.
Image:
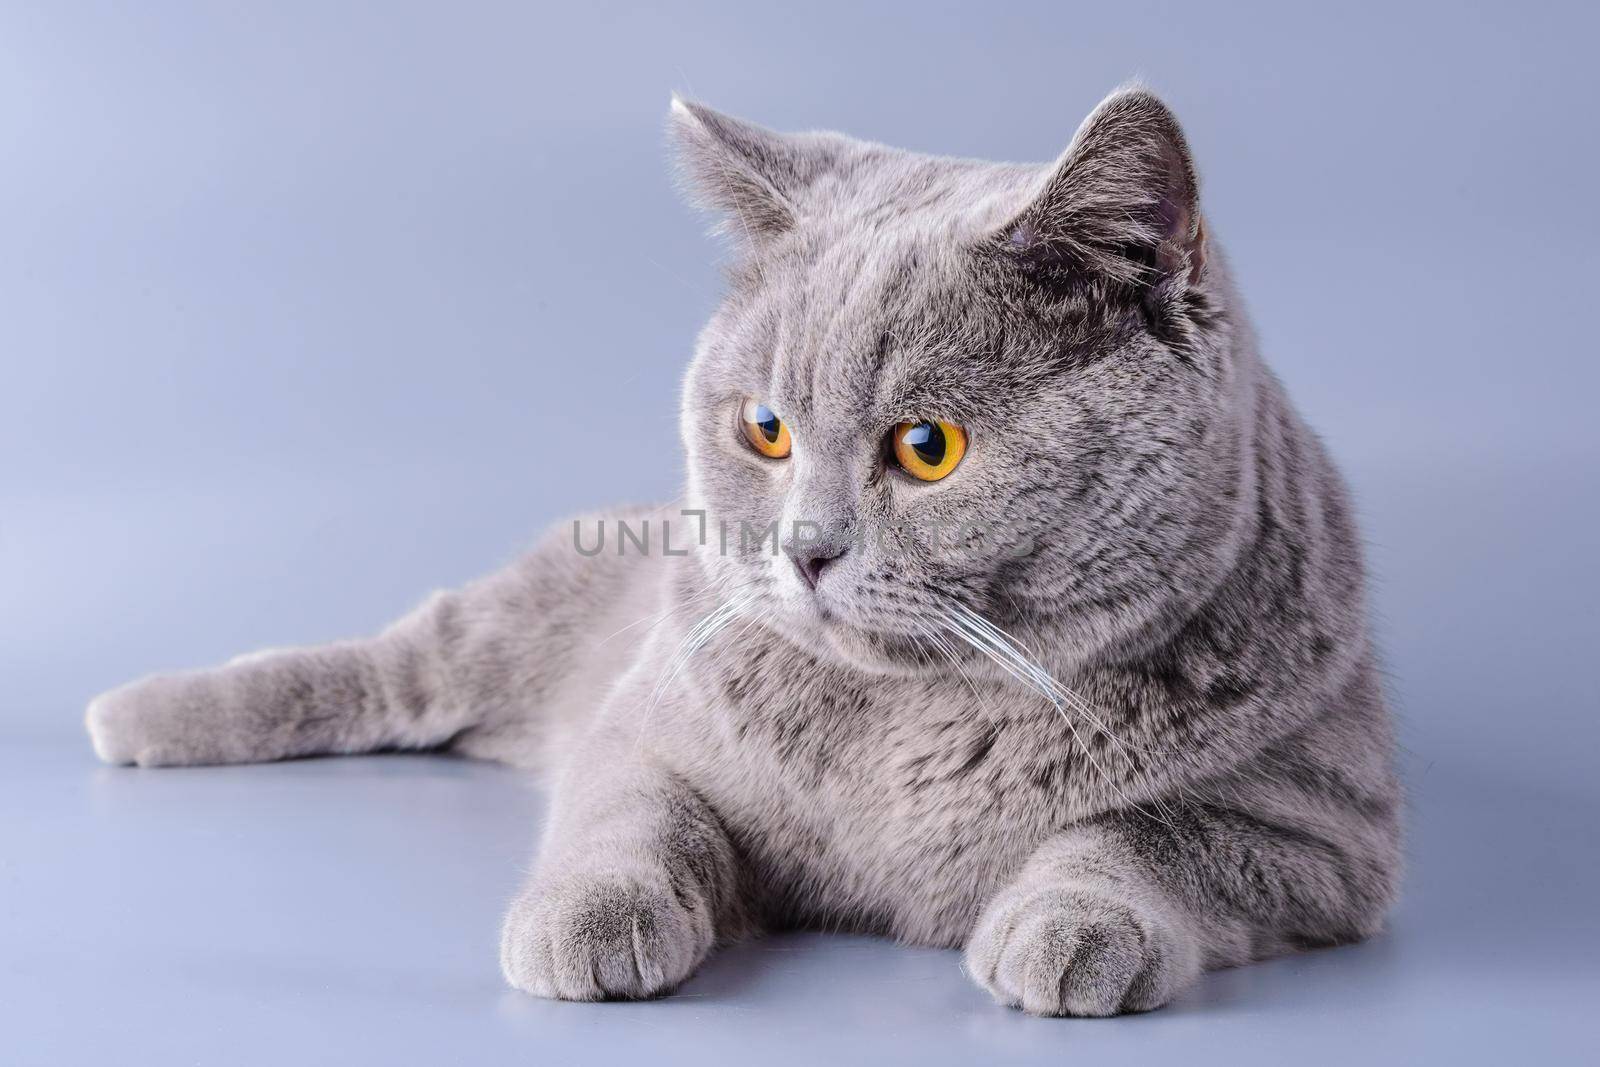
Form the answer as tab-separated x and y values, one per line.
751	176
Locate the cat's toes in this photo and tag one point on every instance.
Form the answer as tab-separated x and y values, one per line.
1064	950
600	937
152	722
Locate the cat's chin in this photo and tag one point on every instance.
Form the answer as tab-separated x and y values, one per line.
872	652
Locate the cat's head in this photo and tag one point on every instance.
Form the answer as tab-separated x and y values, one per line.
958	386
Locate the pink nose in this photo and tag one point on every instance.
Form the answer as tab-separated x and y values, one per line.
809	560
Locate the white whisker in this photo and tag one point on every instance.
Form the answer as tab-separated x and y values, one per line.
1004	652
1067	695
656	618
698	636
948	650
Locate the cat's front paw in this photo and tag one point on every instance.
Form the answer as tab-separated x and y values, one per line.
1067	950
603	937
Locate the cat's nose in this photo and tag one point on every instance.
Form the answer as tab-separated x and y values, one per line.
810	559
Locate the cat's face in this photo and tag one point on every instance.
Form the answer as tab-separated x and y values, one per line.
938	386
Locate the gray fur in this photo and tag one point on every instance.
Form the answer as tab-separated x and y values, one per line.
1140	737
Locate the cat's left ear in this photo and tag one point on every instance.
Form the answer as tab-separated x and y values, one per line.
1122	201
754	177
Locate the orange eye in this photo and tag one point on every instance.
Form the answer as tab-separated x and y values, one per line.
928	450
766	432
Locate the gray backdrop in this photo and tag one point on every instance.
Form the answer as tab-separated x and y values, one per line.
308	308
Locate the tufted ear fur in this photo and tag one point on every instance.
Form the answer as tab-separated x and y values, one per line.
753	177
1122	202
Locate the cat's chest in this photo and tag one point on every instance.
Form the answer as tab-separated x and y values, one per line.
902	802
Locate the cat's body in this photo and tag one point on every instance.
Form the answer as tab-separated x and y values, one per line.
1140	735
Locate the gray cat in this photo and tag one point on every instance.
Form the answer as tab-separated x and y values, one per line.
1010	606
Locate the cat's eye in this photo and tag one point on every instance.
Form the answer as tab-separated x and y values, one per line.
928	450
766	432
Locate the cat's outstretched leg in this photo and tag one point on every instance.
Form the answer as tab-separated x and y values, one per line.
392	691
636	881
505	668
